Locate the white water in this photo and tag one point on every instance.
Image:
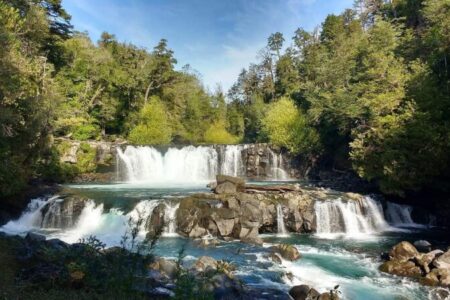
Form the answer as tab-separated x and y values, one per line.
109	226
188	164
352	219
276	167
400	215
170	219
280	221
232	163
145	164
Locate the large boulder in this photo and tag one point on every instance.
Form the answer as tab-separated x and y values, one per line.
443	261
205	263
403	251
288	252
303	292
228	184
401	268
165	266
425	260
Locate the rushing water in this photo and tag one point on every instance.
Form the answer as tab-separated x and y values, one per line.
327	258
190	164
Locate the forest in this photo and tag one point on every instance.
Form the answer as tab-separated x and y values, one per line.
368	91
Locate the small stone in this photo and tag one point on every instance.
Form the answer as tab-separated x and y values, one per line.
422	246
286	251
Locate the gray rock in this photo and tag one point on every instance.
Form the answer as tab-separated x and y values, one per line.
300	292
34	237
225	188
422	246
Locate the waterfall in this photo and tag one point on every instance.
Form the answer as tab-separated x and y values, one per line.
280	221
232	163
170	219
276	170
350	218
189	164
400	215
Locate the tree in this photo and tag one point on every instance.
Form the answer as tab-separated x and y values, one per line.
275	42
217	134
153	127
287	127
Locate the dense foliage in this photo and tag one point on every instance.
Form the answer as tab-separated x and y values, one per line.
373	83
369	90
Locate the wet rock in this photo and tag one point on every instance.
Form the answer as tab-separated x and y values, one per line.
403	251
57	244
300	292
401	268
165	266
275	257
424	260
34	237
225	188
204	263
422	246
156	222
252	240
228	184
288	252
443	261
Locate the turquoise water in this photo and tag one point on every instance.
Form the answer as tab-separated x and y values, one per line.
351	264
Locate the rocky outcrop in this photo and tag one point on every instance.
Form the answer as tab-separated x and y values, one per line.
305	292
62	212
258	159
243	215
431	268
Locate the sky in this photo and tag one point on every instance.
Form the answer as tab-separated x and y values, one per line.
217	38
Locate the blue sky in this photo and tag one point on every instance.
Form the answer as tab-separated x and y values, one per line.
216	37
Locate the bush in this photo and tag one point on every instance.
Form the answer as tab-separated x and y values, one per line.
86	131
153	127
217	134
287	127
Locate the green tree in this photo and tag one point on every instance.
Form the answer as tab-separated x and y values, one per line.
287	127
153	127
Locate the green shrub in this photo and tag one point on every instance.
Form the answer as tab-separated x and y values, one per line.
85	132
217	134
86	158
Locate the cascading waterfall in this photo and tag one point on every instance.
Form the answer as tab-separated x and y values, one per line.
276	166
400	215
232	163
170	219
350	218
281	228
188	164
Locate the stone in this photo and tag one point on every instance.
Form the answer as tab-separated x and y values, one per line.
443	261
275	257
225	226
422	246
156	221
300	292
57	244
166	267
204	263
34	237
313	294
253	241
430	279
403	251
401	268
225	188
197	232
424	260
288	252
